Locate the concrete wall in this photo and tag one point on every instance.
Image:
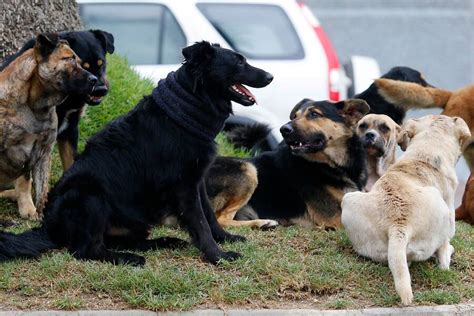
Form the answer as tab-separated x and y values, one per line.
433	36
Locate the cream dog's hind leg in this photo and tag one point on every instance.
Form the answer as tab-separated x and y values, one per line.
397	262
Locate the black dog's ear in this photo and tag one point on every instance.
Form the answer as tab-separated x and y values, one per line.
71	41
298	106
46	43
106	40
352	110
198	53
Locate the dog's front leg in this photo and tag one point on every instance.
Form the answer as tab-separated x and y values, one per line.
23	197
192	216
41	171
219	234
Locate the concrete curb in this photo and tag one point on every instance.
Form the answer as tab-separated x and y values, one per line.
440	310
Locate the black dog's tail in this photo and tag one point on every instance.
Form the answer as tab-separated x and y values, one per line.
29	244
249	136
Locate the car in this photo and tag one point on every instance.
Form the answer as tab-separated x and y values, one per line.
280	36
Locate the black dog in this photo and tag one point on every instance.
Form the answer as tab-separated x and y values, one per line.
91	47
145	165
379	105
304	179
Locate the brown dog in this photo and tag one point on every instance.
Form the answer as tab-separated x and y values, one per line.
379	135
454	103
30	88
465	212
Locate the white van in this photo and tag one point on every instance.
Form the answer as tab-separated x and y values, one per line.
281	36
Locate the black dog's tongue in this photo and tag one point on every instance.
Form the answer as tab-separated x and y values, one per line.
202	120
243	90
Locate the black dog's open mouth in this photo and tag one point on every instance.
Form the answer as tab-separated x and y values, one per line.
96	96
242	95
309	147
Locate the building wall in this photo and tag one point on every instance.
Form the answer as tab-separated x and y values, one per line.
433	36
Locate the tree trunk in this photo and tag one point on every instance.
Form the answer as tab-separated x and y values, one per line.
21	20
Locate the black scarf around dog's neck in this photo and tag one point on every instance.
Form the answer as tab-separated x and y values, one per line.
202	120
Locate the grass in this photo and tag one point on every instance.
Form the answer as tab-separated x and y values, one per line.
289	267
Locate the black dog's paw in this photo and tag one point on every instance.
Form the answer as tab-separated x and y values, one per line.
172	243
226	256
132	259
231	256
230	238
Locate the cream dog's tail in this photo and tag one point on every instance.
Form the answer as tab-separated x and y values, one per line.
397	262
409	95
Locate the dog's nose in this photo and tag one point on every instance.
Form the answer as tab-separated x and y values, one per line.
269	78
286	129
92	80
370	135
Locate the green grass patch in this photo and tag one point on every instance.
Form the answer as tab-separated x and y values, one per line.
286	267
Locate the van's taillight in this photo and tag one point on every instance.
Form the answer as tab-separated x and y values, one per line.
334	75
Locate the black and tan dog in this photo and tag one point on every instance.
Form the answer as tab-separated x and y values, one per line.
304	179
91	47
30	88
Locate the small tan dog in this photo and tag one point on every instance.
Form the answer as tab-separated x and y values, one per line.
409	213
379	135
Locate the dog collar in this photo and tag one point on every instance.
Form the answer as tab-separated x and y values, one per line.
202	120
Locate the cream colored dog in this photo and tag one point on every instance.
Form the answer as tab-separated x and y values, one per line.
379	135
409	213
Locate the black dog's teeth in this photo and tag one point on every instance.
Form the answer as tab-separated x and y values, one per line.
234	87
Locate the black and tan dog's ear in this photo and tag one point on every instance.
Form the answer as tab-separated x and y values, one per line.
353	110
46	43
462	130
198	53
408	130
106	40
298	106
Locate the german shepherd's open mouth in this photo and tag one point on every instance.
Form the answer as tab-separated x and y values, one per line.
312	146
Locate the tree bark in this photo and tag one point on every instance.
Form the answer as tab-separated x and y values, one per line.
21	20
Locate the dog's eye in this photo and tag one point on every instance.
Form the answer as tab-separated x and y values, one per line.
68	58
384	128
314	114
363	126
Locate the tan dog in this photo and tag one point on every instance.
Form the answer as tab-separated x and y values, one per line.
379	135
454	103
30	88
409	213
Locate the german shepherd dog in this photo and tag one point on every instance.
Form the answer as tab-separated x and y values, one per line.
30	88
91	47
145	165
304	179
